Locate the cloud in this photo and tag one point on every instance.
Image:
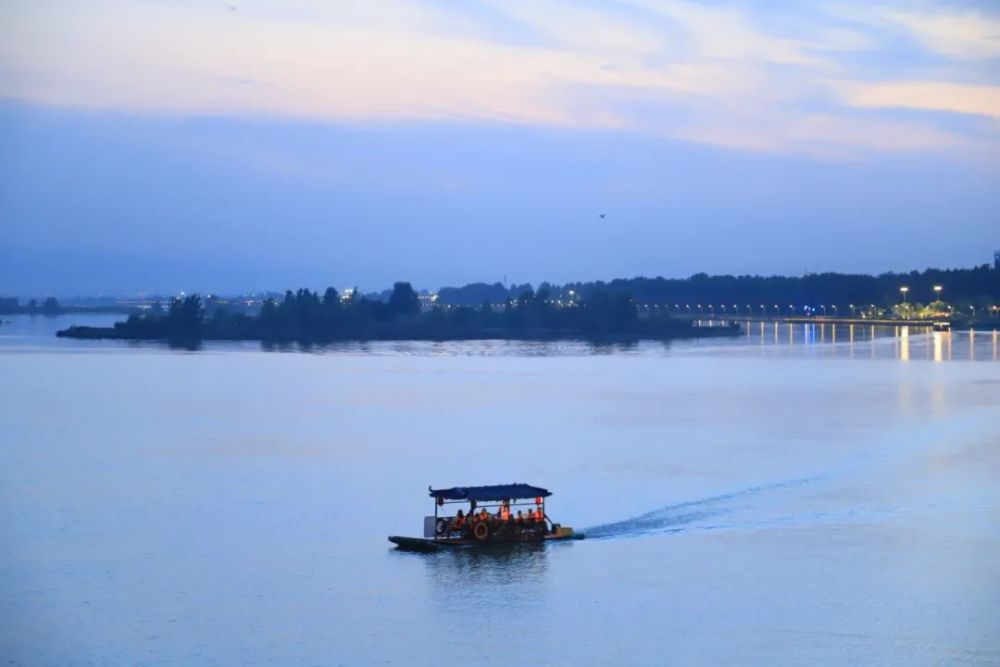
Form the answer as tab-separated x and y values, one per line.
929	95
822	135
726	33
966	35
733	76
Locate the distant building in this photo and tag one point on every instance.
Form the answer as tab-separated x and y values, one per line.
996	260
427	302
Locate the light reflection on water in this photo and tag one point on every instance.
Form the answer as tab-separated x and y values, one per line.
903	343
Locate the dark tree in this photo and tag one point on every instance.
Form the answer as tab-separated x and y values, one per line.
185	316
50	306
403	300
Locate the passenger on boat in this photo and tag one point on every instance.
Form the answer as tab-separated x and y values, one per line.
505	510
520	517
539	515
459	521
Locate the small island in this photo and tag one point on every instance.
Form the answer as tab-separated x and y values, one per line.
308	317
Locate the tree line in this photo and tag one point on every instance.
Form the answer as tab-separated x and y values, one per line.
305	315
978	287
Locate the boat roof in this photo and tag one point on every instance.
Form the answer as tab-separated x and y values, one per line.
487	493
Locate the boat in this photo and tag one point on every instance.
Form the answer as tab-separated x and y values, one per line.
495	515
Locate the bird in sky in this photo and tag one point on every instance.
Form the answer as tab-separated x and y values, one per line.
601	216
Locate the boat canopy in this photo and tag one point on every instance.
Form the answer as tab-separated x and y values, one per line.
488	493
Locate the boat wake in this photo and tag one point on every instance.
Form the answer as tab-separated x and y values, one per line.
689	515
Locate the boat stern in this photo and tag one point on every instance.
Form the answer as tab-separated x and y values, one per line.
413	543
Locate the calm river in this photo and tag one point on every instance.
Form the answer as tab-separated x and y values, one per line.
794	496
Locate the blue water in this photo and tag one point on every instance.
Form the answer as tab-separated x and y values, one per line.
753	501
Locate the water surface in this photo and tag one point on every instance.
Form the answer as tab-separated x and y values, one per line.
771	499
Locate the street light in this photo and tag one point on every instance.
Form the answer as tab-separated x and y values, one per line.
937	292
904	290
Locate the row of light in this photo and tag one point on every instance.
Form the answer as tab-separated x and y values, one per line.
736	308
937	291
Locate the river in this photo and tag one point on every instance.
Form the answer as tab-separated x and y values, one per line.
797	495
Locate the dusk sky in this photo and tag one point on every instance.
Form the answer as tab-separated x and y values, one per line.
159	146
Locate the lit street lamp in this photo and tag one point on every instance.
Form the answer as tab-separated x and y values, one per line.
937	292
904	290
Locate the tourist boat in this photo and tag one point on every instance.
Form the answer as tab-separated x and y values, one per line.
499	514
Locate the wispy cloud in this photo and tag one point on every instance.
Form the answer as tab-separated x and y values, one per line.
931	95
967	35
734	75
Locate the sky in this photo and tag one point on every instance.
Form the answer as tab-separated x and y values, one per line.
246	145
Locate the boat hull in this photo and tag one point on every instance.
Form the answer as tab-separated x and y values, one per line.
430	545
